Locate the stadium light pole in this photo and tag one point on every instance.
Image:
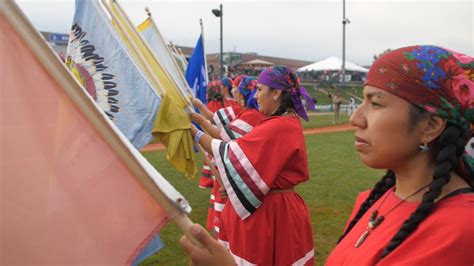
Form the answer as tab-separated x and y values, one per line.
344	22
220	13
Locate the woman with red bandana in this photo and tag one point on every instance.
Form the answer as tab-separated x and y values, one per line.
231	123
421	211
218	96
415	120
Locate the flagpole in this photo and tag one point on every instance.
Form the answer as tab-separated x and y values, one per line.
124	150
174	53
204	50
140	37
183	57
147	10
180	55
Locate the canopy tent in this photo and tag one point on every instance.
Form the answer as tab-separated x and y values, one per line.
332	63
258	62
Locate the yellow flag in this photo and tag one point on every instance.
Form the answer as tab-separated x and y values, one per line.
172	125
172	129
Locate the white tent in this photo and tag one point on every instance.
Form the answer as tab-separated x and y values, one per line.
332	63
258	62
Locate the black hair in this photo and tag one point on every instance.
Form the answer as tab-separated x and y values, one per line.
286	104
446	152
213	95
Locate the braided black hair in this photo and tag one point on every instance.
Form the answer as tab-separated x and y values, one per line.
445	153
446	160
213	95
286	103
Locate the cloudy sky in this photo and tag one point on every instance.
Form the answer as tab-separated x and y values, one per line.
307	30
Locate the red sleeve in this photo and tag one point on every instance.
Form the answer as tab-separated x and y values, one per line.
250	165
214	105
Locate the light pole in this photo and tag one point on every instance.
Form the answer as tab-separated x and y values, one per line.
344	22
220	13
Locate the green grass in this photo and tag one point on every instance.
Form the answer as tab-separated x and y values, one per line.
337	176
323	120
323	98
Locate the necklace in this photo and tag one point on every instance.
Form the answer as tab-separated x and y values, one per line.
375	220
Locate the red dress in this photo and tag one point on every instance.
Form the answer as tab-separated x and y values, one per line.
233	126
206	179
445	237
260	226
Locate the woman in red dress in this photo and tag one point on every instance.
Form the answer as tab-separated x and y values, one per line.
264	221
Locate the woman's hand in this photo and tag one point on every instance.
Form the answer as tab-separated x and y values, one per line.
211	252
197	103
222	193
197	118
194	130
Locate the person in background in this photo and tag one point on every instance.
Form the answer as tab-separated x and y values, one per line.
352	105
218	96
336	103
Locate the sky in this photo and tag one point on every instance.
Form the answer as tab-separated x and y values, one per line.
305	30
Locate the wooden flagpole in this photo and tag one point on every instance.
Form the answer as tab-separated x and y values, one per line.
204	50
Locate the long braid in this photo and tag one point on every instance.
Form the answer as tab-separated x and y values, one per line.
446	160
285	104
379	189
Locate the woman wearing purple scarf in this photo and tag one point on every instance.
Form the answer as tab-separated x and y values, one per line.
265	222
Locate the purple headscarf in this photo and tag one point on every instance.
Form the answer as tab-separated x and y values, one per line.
283	78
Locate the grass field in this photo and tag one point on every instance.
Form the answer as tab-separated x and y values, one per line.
323	120
337	176
323	98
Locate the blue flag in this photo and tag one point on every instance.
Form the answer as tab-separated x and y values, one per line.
196	72
153	246
100	61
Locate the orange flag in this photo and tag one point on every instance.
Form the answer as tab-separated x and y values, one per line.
73	190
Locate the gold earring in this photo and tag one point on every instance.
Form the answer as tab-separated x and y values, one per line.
275	98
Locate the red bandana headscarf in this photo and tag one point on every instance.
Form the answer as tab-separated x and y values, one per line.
436	79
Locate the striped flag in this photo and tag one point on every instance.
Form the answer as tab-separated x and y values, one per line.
153	37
